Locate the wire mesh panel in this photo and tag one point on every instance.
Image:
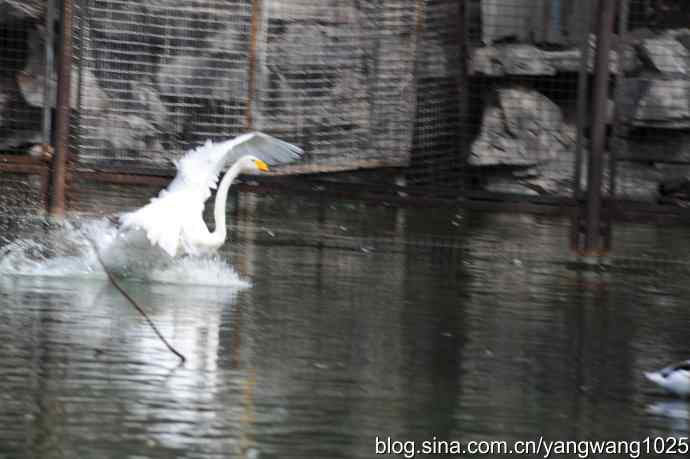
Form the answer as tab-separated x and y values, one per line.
158	77
22	68
441	93
652	132
523	115
337	78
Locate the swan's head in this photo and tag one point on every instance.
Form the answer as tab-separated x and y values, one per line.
252	164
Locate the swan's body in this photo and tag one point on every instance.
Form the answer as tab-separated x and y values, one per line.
675	378
174	220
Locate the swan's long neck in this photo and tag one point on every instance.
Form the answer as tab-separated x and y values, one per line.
220	232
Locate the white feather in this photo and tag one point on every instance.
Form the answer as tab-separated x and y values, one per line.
174	219
674	379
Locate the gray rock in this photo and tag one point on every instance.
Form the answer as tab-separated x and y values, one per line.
202	71
656	102
31	80
681	35
528	60
538	122
566	61
635	181
327	11
148	103
672	172
525	129
495	146
122	133
21	9
556	177
528	110
638	181
506	182
20	124
20	137
666	55
512	59
570	60
550	178
661	147
6	93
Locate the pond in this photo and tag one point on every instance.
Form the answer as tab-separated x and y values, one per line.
358	321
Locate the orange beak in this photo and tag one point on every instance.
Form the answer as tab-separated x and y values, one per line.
262	166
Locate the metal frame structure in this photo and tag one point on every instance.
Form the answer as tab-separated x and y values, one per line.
592	210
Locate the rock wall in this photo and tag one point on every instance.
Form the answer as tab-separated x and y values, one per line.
334	77
20	120
525	145
154	78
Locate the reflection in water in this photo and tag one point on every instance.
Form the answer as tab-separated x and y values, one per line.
360	321
673	414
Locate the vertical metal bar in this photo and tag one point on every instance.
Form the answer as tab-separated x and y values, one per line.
48	91
582	91
585	14
622	30
618	93
83	24
600	97
463	90
251	76
62	120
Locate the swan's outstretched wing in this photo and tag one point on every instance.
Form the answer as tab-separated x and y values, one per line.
201	167
269	149
182	202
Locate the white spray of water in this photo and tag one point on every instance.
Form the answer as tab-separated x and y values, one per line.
68	251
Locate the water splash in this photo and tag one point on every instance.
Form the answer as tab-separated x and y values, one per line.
67	250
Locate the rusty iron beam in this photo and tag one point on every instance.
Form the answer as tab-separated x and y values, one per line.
21	160
120	179
28	169
63	111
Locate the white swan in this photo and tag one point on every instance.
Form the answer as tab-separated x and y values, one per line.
174	220
674	378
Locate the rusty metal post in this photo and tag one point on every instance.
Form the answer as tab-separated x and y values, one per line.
600	98
63	109
257	11
577	227
582	90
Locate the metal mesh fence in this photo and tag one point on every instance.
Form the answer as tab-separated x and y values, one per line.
335	78
651	137
479	95
22	69
159	77
470	95
441	92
